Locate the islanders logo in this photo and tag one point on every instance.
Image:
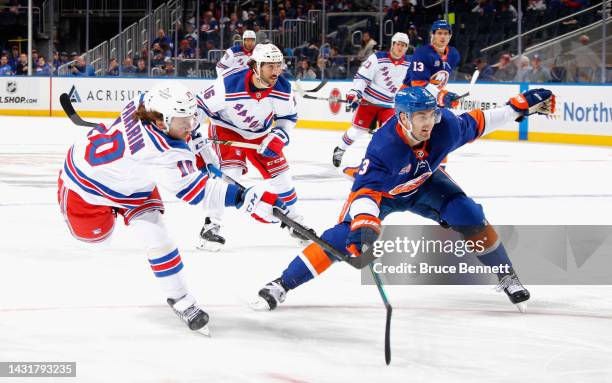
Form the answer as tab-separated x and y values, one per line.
440	78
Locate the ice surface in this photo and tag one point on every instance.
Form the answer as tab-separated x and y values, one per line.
101	307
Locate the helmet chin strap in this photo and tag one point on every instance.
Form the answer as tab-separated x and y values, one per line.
408	131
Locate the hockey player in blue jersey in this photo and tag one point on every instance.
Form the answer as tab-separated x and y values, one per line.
432	65
400	172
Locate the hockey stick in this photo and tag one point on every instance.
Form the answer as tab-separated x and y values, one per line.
237	144
331	99
353	261
72	114
77	120
472	82
301	91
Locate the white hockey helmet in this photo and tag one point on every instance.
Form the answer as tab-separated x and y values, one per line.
171	99
248	34
400	37
266	53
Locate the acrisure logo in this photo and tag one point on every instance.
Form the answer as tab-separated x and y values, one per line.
74	95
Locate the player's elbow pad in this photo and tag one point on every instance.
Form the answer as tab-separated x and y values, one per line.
364	205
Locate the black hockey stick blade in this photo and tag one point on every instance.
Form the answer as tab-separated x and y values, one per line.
72	114
389	309
317	88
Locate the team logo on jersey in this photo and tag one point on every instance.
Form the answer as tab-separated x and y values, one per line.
334	96
437	63
11	86
411	185
440	78
74	95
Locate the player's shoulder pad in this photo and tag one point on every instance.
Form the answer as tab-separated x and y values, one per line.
282	85
235	49
234	80
380	54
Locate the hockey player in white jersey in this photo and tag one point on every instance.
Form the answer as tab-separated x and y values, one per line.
252	105
116	170
374	87
238	55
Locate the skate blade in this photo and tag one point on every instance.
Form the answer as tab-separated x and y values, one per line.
204	331
522	307
259	305
209	247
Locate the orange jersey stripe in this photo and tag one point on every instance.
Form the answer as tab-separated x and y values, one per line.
375	195
419	83
480	120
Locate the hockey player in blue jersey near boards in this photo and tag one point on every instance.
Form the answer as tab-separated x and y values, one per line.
400	172
431	65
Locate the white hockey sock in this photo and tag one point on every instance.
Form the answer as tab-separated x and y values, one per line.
352	134
282	185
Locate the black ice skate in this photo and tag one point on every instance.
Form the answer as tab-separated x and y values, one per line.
337	156
515	291
270	296
188	311
210	240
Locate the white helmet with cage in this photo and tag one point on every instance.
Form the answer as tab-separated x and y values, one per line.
266	53
171	99
400	37
248	34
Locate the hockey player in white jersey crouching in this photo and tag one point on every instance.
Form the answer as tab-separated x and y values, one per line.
252	105
116	170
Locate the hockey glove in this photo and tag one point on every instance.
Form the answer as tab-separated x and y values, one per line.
205	155
448	99
540	101
352	99
272	146
365	229
260	204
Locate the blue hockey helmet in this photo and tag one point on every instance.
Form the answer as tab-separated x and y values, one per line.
415	99
441	24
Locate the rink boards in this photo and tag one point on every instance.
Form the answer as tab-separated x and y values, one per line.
584	112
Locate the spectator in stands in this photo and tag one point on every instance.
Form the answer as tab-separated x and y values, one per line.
162	39
5	68
367	46
278	21
185	50
522	69
21	69
190	34
487	72
586	60
393	14
210	45
337	64
414	38
305	72
141	69
209	28
168	68
63	58
321	70
536	5
113	67
158	55
128	68
81	68
42	68
260	36
505	69
484	8
538	73
14	57
55	62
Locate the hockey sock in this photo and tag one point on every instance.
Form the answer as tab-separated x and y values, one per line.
494	253
167	265
310	263
352	134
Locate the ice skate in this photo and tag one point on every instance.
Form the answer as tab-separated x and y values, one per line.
337	156
515	291
210	240
270	296
188	311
